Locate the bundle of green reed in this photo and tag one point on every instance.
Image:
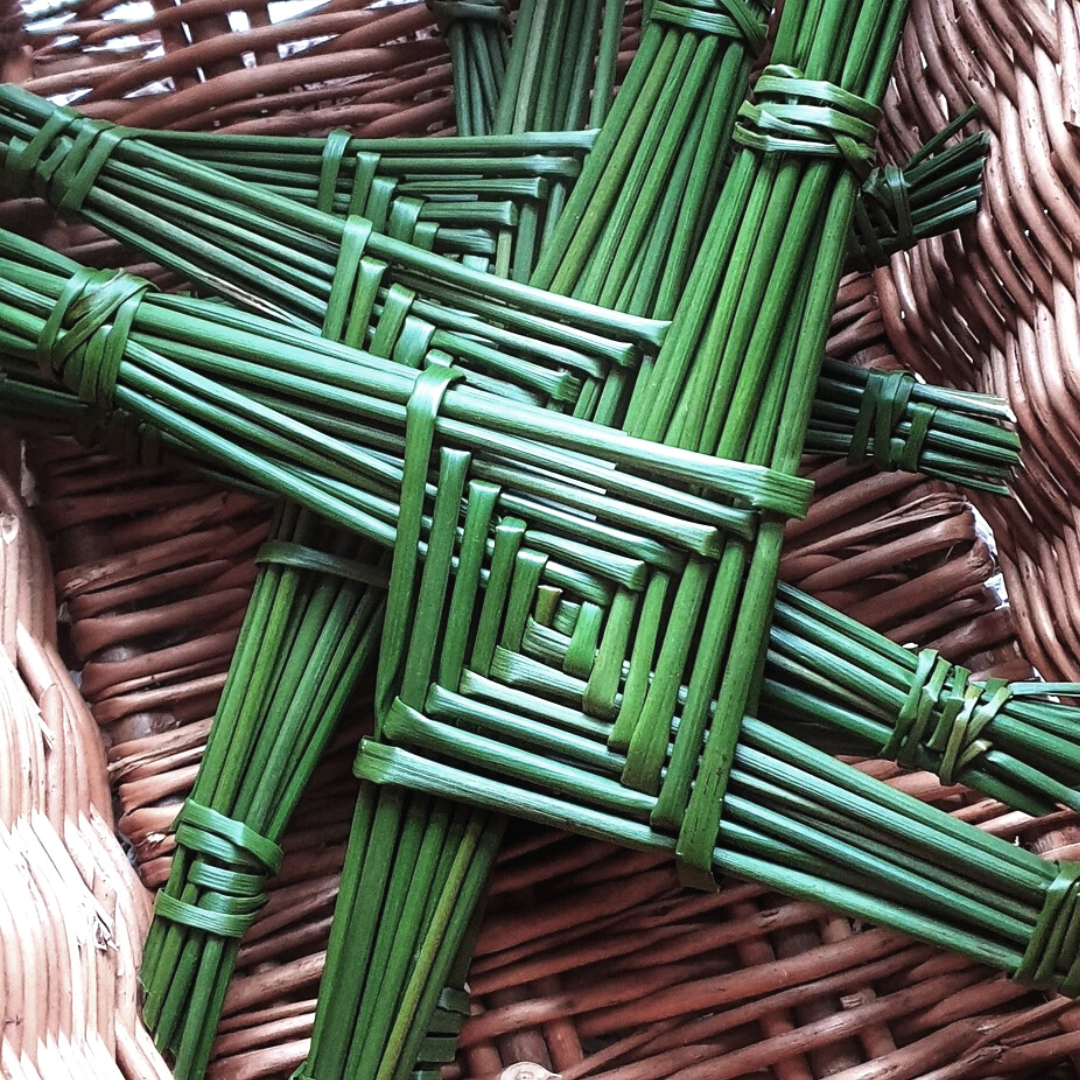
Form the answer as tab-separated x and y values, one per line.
271	255
561	72
895	422
735	375
920	710
494	199
823	668
477	35
556	76
932	194
482	182
311	628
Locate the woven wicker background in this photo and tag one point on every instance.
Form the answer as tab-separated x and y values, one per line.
592	962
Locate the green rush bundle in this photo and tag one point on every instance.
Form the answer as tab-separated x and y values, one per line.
556	76
310	630
864	693
488	181
282	258
892	421
521	572
477	34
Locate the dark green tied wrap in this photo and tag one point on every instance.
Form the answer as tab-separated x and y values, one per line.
84	338
422	414
947	715
883	409
1054	947
47	166
725	18
795	115
448	12
233	893
883	220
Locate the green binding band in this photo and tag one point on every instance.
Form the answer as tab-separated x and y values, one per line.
884	405
301	557
947	715
84	338
233	898
204	825
795	115
448	12
889	188
23	160
726	18
348	284
1055	942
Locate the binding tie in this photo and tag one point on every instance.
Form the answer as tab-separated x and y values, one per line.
71	166
84	338
946	715
883	220
448	12
1052	955
233	897
796	115
884	407
725	18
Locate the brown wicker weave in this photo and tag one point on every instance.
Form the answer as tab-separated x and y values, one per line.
72	912
997	306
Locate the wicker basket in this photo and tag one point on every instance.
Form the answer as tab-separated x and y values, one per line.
591	962
997	307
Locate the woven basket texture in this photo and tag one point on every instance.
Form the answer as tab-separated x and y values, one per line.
592	962
997	305
73	913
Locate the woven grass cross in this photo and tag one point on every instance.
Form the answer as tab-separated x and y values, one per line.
565	618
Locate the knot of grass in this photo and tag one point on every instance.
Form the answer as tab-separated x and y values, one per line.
84	338
1054	946
884	408
448	12
795	115
63	158
883	218
725	18
946	715
233	893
